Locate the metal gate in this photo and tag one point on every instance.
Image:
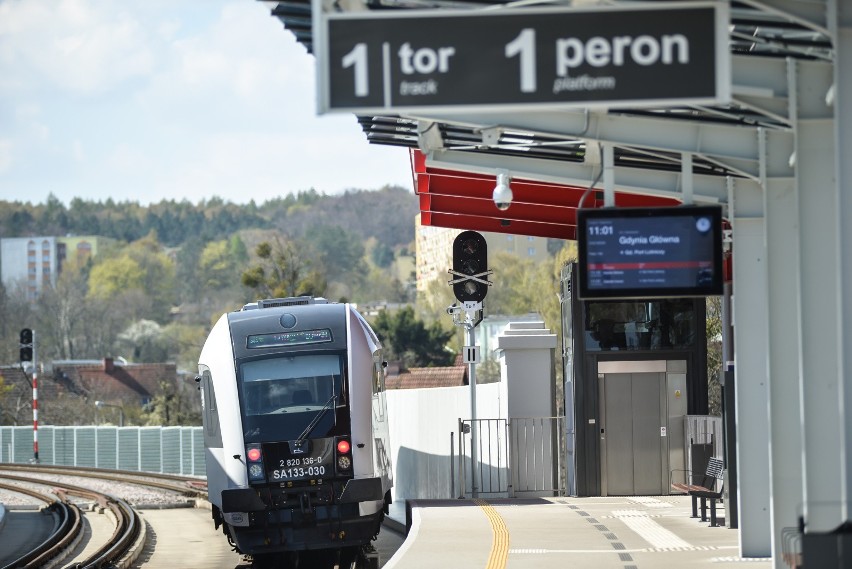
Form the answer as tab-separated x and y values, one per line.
515	457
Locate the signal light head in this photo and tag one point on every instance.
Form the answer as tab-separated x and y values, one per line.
470	257
343	447
253	454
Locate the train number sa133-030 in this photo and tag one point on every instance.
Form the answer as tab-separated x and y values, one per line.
307	467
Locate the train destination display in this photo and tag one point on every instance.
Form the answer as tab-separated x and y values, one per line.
381	61
646	253
288	338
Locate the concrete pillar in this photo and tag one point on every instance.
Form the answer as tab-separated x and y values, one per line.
527	378
526	368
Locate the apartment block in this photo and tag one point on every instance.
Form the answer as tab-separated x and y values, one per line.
35	262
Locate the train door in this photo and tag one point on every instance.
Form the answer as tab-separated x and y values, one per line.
641	410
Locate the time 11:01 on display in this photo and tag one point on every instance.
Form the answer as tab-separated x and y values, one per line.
600	230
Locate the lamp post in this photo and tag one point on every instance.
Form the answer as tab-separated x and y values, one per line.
100	404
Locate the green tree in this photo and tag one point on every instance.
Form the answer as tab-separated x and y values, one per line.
376	285
142	266
237	250
174	405
4	390
514	290
382	255
282	272
409	340
713	325
144	342
63	317
220	264
113	276
339	251
216	265
185	342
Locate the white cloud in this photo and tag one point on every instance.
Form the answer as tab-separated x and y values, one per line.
160	100
83	46
248	71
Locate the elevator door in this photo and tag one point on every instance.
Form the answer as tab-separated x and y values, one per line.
631	434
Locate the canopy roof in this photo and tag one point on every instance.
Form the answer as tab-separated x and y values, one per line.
553	156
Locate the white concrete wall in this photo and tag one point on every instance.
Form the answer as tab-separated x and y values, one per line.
421	421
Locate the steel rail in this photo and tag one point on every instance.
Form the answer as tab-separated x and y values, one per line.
186	485
127	528
128	522
65	532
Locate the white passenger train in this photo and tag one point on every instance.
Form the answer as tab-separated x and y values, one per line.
295	428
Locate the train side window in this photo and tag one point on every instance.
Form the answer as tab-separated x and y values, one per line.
377	377
212	434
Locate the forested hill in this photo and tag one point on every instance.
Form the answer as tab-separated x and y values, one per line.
386	214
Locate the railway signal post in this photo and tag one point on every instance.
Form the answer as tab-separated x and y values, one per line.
28	354
470	267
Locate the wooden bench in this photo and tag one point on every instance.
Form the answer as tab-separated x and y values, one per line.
705	490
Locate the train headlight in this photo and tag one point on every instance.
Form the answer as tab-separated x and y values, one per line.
344	462
255	471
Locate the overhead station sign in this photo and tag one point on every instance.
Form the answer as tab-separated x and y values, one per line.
409	60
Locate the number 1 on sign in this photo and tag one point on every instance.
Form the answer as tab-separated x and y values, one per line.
358	58
524	45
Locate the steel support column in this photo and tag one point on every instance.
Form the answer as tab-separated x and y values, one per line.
842	32
783	199
750	340
819	274
785	450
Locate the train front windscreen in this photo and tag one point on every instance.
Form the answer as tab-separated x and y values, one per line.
292	397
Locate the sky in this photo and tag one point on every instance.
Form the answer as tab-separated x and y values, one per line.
145	100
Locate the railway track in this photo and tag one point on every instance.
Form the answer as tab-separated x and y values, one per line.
68	525
167	534
128	532
191	487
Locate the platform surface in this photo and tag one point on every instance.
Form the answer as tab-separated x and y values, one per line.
541	533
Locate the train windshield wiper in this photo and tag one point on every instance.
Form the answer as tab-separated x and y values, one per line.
316	420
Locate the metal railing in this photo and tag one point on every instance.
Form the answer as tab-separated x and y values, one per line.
516	457
705	429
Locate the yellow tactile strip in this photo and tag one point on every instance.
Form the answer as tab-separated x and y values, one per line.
500	546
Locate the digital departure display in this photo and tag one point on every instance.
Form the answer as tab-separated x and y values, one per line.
650	252
289	338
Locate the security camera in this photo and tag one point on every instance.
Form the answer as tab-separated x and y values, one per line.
502	195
